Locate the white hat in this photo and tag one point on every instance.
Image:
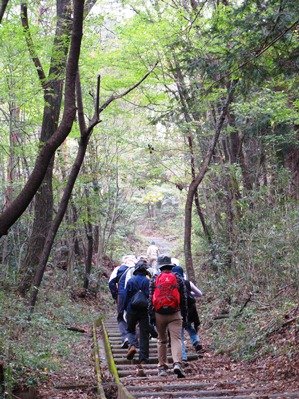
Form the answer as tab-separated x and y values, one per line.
175	261
129	260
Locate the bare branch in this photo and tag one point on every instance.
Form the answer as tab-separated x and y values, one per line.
112	98
96	119
98	97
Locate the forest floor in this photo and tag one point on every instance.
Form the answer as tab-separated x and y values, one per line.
78	379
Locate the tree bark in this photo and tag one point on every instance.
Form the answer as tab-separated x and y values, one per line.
292	162
2	379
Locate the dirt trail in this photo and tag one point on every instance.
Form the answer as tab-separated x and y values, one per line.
165	246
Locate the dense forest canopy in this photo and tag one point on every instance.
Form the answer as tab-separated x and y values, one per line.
182	117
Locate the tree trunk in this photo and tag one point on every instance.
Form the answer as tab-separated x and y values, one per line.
77	249
3	8
89	235
2	380
201	217
292	162
43	209
195	183
57	220
187	104
237	155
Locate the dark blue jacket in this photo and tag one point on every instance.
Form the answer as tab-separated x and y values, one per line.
117	284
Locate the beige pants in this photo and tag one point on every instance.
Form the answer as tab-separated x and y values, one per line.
173	324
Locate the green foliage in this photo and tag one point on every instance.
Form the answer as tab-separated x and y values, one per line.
32	349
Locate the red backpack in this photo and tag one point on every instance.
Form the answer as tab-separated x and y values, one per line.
166	296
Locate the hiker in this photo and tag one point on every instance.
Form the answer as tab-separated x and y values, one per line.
136	312
193	319
130	272
117	289
152	254
168	306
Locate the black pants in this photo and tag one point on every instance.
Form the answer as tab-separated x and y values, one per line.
142	318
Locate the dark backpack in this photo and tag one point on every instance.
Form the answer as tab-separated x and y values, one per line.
166	295
139	301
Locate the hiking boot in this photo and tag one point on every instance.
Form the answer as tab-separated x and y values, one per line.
125	344
177	369
198	347
131	352
139	371
162	372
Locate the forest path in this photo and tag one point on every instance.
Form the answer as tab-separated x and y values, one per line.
167	243
164	245
77	378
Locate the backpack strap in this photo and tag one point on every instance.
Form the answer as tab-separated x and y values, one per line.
122	275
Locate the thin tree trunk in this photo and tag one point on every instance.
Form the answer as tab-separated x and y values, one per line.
237	155
292	162
195	183
77	248
187	102
89	235
196	198
58	219
201	217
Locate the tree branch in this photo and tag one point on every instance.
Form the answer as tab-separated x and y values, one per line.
88	6
3	8
30	45
96	119
112	98
261	52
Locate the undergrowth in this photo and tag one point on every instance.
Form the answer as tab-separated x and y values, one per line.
33	347
250	306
